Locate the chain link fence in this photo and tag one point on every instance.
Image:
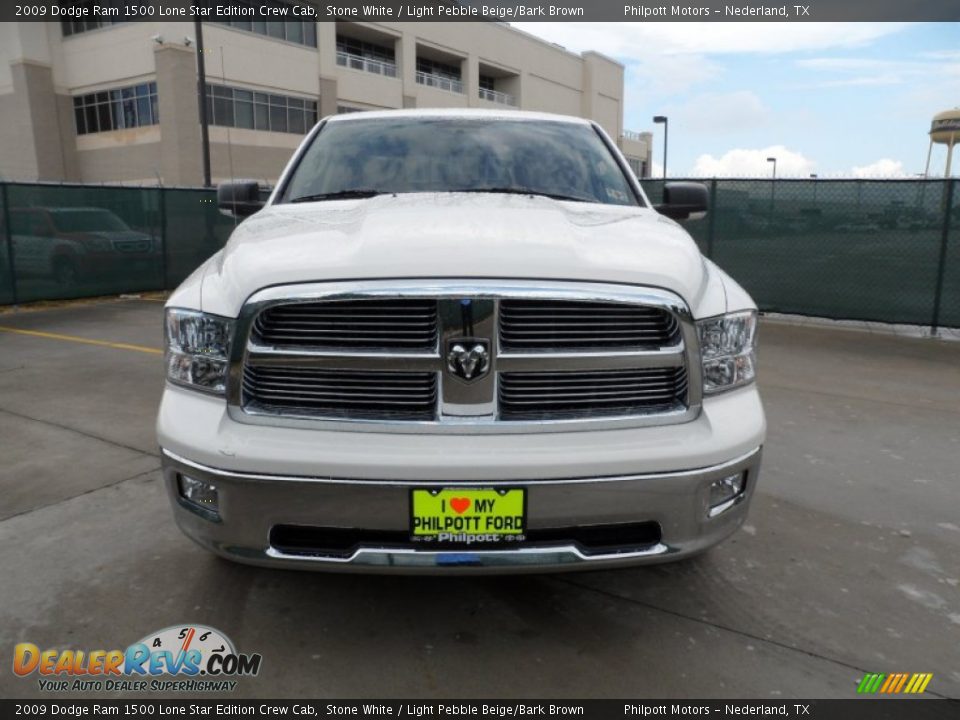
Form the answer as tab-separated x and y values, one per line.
879	250
71	241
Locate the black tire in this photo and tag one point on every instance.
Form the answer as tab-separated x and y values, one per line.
65	271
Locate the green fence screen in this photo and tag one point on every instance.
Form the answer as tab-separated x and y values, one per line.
882	250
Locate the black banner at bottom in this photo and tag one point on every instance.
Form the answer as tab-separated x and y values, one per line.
859	709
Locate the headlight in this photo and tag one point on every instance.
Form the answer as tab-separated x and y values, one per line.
728	345
198	349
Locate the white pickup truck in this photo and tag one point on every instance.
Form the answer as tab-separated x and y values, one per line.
459	341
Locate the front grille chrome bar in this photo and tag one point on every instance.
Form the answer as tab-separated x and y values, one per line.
468	406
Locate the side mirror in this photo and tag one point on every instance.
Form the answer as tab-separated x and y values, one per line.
683	199
239	199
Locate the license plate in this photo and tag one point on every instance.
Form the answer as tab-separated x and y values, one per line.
467	516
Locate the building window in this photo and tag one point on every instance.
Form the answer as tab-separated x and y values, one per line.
440	75
488	91
366	56
302	32
134	106
346	110
236	107
75	27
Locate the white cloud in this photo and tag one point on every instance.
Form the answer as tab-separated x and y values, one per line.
655	61
847	71
742	162
632	40
942	54
669	58
882	168
719	113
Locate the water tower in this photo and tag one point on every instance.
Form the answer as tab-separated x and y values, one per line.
945	130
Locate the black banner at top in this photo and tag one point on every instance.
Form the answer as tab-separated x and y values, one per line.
484	10
54	708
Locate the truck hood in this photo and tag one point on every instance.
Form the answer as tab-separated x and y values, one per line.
454	235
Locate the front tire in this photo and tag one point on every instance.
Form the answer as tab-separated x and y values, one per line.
65	271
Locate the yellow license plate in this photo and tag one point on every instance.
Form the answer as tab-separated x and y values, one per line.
468	515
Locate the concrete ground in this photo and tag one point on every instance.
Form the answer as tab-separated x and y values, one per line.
849	563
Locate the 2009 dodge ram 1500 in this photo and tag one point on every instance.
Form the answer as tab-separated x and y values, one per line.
458	341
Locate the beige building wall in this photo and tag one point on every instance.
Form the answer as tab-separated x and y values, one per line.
40	72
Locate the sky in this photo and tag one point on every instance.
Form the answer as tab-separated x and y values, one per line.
835	99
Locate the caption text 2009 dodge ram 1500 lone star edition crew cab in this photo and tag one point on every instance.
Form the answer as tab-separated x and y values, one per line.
459	341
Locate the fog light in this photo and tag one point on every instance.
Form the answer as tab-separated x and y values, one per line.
198	494
724	492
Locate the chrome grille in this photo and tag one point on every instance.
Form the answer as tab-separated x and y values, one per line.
341	393
562	324
562	395
377	324
389	356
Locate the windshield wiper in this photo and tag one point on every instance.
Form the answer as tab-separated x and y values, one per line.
339	195
525	191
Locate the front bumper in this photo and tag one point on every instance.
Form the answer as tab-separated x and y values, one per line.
272	476
250	505
658	475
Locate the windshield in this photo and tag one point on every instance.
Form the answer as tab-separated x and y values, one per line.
402	155
87	221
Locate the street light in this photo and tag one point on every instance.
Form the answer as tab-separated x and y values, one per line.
773	183
663	119
814	176
202	93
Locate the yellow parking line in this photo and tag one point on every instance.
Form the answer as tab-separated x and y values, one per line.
85	341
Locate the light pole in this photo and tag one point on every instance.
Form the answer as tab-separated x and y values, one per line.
663	119
813	176
202	93
773	182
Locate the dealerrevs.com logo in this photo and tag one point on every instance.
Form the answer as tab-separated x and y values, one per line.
180	658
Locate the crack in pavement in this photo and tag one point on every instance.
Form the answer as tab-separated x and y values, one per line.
79	495
726	628
79	432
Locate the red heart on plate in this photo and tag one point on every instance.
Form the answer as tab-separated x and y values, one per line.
459	505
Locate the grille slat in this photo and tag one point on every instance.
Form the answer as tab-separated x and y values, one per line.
560	395
566	325
401	324
345	393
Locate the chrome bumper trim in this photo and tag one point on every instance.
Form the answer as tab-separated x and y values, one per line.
407	557
738	462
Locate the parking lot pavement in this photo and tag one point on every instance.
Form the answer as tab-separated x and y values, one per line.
849	562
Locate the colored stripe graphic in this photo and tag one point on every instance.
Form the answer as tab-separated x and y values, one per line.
870	683
894	683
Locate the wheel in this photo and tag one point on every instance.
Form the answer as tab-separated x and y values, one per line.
65	271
